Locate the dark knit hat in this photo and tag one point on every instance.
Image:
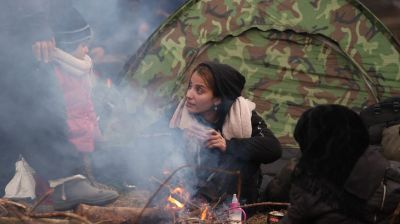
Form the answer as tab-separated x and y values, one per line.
70	28
323	123
228	80
331	138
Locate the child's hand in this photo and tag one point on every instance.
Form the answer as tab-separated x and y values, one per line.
43	49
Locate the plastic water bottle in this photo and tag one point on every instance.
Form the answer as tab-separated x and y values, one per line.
235	212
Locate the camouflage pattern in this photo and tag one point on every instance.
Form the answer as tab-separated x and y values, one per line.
294	55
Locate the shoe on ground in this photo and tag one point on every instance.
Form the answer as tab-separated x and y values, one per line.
68	195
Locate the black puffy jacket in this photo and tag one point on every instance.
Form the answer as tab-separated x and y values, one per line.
372	181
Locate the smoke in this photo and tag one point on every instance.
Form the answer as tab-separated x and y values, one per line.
32	113
138	144
123	25
141	149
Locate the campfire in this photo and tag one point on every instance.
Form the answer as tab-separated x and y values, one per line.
185	210
177	206
181	194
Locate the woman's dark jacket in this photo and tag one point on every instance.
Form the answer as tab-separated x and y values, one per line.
359	200
246	155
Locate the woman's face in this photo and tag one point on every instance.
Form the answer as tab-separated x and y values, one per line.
199	97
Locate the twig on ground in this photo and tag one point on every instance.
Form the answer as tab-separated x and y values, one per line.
60	214
41	199
6	202
265	204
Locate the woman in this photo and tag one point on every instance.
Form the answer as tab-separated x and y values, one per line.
224	131
337	178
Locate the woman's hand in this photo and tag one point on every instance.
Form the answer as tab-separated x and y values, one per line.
216	141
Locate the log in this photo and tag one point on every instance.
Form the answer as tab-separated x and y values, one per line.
116	215
14	220
13	212
64	215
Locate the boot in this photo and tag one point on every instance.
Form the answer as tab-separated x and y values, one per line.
88	173
73	192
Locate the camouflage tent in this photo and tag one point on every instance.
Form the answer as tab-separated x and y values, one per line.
294	54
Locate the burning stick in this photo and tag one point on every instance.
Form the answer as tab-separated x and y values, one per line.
188	166
158	190
204	213
175	202
173	191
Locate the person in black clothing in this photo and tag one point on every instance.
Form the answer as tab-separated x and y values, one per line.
338	178
224	131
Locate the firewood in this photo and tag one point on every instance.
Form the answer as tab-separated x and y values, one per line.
14	220
6	204
65	215
123	214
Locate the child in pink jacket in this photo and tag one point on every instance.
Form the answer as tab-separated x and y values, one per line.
73	69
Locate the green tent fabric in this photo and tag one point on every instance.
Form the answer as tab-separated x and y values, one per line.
294	55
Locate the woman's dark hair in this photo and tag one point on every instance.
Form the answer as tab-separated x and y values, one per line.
331	139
